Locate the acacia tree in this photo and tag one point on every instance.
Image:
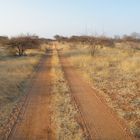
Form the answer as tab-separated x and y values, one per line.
22	43
60	38
93	45
96	42
131	41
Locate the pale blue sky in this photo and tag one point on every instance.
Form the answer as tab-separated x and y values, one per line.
66	17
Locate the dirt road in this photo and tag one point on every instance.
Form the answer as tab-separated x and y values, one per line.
34	123
101	123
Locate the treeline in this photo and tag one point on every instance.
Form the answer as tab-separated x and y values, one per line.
134	37
94	42
18	45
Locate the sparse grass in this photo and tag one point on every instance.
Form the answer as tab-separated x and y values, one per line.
15	74
116	72
63	111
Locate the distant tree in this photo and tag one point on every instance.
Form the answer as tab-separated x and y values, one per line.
60	38
93	42
22	43
135	35
117	38
96	42
93	47
57	37
132	40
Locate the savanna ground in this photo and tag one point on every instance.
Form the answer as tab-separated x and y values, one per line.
115	73
15	74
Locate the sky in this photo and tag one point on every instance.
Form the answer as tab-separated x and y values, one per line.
47	18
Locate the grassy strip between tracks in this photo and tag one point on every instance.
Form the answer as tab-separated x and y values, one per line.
64	113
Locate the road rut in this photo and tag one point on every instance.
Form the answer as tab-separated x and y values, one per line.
34	122
100	122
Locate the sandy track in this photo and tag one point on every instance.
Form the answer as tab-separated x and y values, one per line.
100	122
34	122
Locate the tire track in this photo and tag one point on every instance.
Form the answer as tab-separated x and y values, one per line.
34	120
100	124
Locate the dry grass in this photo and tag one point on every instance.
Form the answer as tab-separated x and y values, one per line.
15	74
64	112
116	72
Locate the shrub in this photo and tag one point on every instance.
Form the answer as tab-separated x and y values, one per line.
18	45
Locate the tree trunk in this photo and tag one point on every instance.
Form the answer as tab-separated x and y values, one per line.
20	51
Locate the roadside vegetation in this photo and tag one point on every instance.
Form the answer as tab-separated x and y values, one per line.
111	65
64	112
15	75
115	72
19	45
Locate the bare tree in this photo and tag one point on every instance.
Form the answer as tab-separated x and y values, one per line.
96	42
22	43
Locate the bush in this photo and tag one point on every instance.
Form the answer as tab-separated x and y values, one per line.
18	45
